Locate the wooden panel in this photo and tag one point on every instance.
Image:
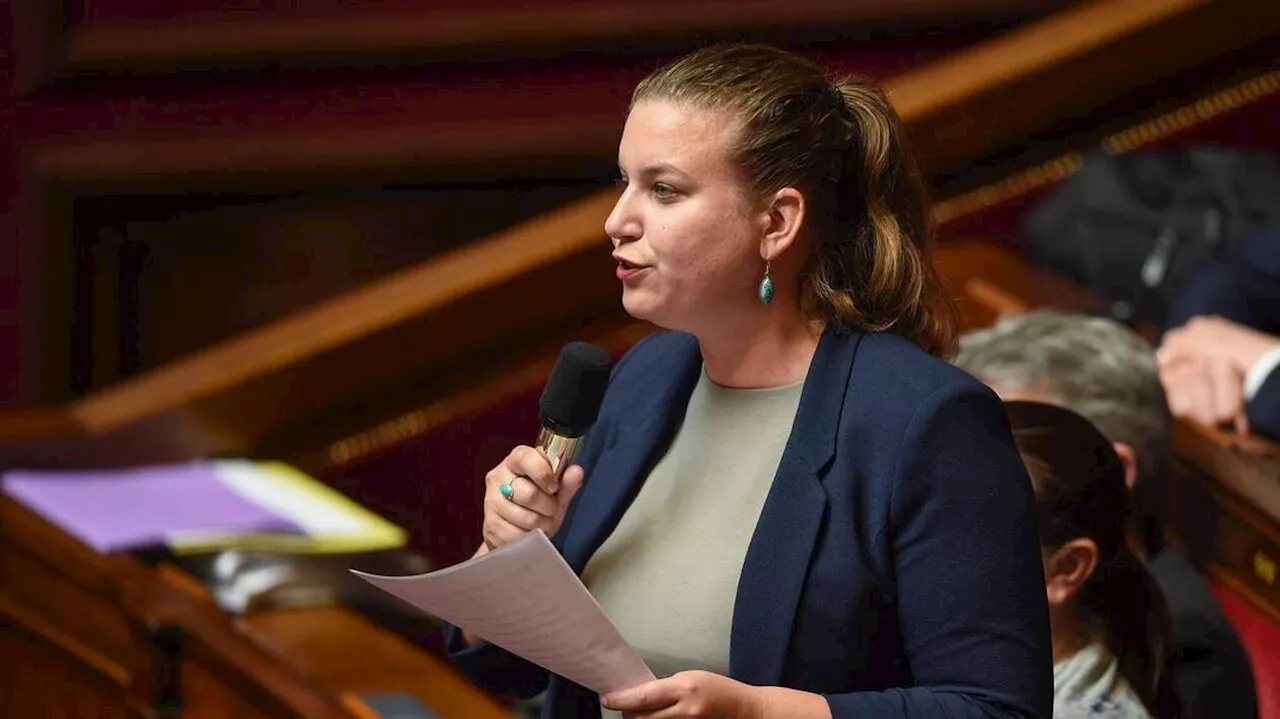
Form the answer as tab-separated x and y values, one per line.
333	658
47	678
125	40
234	410
1078	60
169	276
303	664
63	623
94	620
299	663
988	280
79	611
1224	530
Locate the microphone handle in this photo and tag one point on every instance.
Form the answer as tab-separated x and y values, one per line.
559	450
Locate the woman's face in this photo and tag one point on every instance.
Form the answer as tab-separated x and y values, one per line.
685	233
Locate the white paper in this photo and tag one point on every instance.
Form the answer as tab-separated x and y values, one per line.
526	599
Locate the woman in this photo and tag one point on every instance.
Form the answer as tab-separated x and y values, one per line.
792	507
1108	618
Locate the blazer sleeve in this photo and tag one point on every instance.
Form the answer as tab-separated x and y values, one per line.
963	547
1264	409
493	668
1242	285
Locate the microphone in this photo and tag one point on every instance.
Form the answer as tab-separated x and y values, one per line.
571	401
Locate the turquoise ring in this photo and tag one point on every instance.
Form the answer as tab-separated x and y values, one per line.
507	491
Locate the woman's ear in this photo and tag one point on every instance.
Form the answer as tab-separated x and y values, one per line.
1129	459
1068	568
781	222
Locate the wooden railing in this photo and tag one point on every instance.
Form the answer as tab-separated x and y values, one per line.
403	32
454	325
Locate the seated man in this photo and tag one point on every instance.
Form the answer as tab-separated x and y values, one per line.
1107	374
1219	363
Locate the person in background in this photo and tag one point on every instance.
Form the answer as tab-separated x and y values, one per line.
790	505
1109	620
1107	374
1220	354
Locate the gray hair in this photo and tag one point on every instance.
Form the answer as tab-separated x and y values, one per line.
1090	365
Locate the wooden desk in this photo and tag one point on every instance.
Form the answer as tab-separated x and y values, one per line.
84	631
1225	510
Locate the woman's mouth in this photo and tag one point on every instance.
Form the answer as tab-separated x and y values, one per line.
627	270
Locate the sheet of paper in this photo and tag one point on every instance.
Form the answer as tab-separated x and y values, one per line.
524	598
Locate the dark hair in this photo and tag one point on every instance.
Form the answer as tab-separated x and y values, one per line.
842	145
1080	493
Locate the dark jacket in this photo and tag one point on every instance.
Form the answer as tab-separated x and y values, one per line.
895	567
1211	673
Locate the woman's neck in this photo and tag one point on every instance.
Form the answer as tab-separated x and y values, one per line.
1069	637
772	352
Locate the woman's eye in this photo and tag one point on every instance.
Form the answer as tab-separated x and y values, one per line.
663	191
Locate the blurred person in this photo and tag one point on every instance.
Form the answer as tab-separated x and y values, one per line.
1218	372
1107	374
789	505
1219	357
1109	620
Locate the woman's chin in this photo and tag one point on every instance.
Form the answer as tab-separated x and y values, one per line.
653	314
637	306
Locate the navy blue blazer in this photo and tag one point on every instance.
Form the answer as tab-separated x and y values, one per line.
895	567
1242	285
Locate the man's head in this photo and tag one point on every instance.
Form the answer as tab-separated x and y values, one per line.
1090	365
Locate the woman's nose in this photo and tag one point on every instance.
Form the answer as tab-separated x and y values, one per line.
622	225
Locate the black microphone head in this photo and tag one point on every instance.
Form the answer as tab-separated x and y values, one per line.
572	397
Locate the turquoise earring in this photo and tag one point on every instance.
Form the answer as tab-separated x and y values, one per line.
766	286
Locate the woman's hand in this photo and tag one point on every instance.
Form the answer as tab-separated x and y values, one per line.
703	695
689	694
535	501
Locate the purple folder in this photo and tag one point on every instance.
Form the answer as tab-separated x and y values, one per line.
124	509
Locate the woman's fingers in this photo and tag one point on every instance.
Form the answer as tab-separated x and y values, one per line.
517	514
516	503
528	462
497	531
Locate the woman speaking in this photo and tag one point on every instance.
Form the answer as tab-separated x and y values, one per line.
790	505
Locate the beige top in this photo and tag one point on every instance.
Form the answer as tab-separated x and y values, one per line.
668	574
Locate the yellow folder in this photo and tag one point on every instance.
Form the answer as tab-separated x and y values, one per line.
330	522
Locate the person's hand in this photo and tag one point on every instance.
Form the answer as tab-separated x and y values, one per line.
1216	339
535	502
1208	390
689	694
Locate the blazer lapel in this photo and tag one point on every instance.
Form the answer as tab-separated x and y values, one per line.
777	561
635	447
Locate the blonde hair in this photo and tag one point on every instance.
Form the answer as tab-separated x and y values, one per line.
842	145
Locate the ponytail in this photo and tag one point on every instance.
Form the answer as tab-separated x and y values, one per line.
876	272
1125	602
